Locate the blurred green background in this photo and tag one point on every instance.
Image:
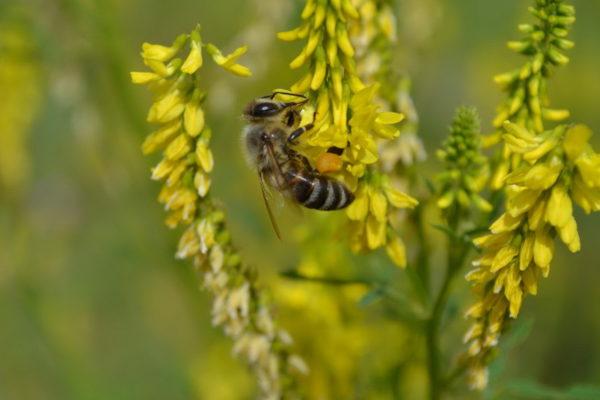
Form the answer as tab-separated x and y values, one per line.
93	304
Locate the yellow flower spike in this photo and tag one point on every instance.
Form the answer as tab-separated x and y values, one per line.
396	251
187	159
294	34
142	78
375	232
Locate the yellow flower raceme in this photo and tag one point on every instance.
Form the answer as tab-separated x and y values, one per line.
336	92
239	306
560	168
527	104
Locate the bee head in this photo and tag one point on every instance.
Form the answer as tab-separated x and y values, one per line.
267	108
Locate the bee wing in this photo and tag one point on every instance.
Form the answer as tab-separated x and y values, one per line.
266	197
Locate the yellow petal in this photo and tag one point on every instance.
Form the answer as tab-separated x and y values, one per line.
570	236
375	232
526	253
543	248
396	251
522	201
576	140
204	156
560	209
178	148
357	211
389	118
505	223
163	169
194	60
378	205
344	41
399	199
202	183
193	118
446	199
142	78
159	138
535	216
503	258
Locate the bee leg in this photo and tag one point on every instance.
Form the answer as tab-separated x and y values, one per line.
299	132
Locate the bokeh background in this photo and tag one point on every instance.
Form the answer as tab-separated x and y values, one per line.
93	304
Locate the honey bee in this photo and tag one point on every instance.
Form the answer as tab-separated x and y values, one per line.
273	127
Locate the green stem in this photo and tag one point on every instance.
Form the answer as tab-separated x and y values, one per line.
457	253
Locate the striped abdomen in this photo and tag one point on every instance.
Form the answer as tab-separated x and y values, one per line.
320	192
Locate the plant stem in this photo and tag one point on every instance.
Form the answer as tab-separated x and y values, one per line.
457	253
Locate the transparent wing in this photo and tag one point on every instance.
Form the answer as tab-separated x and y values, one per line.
266	197
278	173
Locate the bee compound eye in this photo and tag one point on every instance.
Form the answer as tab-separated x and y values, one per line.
265	110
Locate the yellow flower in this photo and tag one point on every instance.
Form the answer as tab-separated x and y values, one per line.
184	138
527	100
229	62
335	91
520	248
